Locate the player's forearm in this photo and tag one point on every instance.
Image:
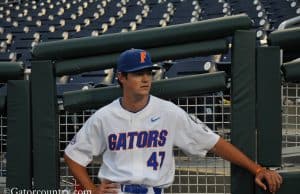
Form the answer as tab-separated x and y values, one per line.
229	152
80	173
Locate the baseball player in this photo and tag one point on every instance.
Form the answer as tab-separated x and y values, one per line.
136	133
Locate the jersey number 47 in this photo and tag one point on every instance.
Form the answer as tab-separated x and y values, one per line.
156	159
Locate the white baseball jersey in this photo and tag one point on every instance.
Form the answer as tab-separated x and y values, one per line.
137	148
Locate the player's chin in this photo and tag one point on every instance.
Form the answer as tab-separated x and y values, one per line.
144	92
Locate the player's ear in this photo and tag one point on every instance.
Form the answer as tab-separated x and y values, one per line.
121	76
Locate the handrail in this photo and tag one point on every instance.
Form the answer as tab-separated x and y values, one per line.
291	71
180	86
290	22
288	39
148	38
80	65
11	70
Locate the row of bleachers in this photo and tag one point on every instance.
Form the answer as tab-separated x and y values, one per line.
24	24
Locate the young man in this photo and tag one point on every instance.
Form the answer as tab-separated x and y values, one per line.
136	134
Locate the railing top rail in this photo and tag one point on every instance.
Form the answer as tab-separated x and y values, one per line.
148	38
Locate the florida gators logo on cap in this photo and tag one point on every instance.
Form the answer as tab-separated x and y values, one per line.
143	56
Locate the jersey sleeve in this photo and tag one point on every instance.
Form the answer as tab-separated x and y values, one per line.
192	135
88	142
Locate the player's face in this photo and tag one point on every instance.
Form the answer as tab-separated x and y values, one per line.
137	83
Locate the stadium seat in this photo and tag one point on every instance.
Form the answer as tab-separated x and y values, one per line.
6	56
189	66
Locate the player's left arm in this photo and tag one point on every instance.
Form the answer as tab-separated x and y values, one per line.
229	152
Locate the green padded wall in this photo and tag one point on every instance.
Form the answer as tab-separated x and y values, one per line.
19	147
45	126
243	133
268	85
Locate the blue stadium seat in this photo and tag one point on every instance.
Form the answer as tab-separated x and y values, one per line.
6	56
189	66
182	13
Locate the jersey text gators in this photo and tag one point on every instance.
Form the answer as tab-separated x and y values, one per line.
137	139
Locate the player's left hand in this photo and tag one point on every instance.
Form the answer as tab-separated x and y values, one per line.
273	179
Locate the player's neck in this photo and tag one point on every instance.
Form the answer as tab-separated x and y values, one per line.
134	104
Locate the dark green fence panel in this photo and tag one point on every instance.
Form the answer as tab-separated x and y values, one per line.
45	126
268	112
243	93
19	149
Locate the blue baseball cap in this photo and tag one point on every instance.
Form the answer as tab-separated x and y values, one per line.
134	60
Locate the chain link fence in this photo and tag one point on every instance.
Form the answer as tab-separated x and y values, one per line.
291	126
3	143
193	174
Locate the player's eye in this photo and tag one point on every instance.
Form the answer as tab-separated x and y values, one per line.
145	72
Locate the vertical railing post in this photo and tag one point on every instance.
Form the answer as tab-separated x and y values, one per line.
19	147
243	94
45	126
269	106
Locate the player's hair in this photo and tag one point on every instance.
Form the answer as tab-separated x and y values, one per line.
124	74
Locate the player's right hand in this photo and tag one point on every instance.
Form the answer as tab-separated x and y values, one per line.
107	187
